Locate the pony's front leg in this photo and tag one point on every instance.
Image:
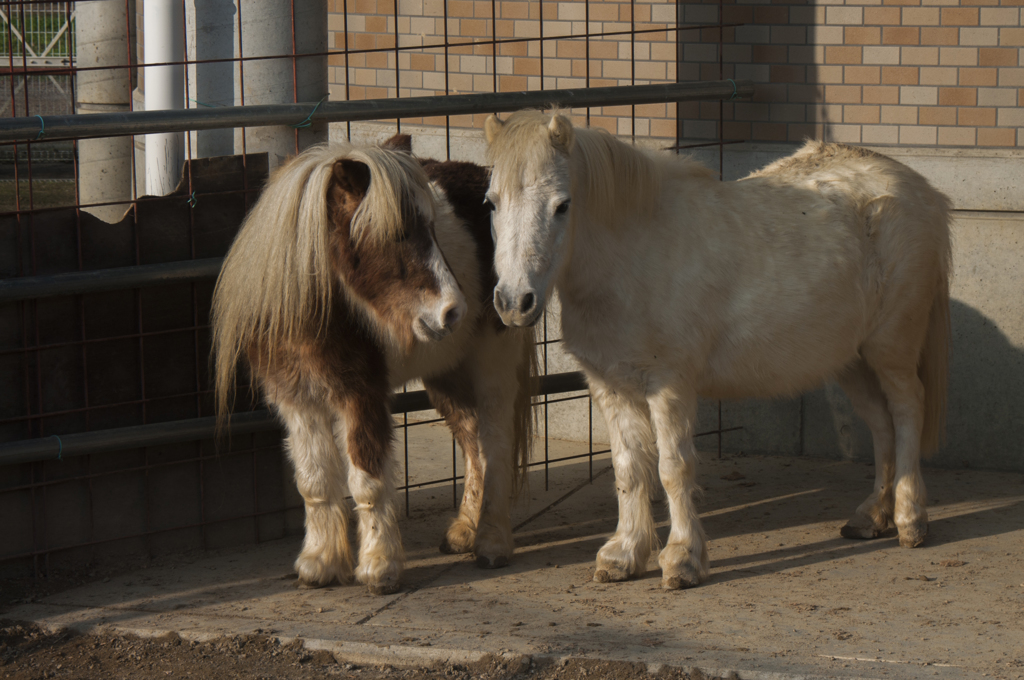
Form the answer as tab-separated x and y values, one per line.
684	560
326	555
453	397
365	427
633	457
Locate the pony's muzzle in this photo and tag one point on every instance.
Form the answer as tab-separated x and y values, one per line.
447	320
521	310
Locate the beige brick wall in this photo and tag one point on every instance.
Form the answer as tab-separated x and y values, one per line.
512	66
878	72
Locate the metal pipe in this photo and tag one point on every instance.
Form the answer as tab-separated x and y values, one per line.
121	278
177	431
150	122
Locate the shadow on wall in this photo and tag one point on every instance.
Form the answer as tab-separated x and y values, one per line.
985	421
773	45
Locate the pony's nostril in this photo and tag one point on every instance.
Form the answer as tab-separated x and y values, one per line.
527	303
499	301
452	316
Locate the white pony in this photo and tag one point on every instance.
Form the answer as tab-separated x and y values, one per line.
830	264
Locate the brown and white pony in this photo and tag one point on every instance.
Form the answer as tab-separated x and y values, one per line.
357	270
832	263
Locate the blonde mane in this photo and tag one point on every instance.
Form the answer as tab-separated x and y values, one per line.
609	177
276	284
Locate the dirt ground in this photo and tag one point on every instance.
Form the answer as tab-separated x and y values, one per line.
28	653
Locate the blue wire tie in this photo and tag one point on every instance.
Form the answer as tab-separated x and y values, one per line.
733	89
308	121
192	200
42	128
60	451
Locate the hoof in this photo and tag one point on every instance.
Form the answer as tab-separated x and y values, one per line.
485	562
913	536
384	588
679	582
850	531
315	572
610	575
681	576
448	549
458	540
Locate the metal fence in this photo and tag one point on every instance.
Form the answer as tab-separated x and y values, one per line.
106	417
37	41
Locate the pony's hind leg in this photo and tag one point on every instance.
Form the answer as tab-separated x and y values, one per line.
326	555
364	425
634	458
873	516
452	395
905	394
684	560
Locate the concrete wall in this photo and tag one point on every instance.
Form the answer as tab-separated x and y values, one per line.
986	391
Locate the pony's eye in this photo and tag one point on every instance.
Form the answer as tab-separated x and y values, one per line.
562	208
488	204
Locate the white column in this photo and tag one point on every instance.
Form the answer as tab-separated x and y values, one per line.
163	41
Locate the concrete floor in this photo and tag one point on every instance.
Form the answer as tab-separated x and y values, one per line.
788	598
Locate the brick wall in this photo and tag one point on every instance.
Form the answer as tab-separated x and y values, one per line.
886	72
511	66
890	72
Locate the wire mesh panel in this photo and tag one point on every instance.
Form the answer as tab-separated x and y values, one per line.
136	356
37	43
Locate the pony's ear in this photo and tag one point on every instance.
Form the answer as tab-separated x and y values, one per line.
492	126
560	129
352	176
399	142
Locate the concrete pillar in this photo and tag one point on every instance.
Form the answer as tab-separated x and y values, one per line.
164	41
267	30
105	165
211	32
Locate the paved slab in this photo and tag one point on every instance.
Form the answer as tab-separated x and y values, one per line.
787	597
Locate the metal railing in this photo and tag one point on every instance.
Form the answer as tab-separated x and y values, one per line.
146	122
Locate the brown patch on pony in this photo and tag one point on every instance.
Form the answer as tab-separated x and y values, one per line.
399	142
388	275
343	366
352	177
453	396
465	185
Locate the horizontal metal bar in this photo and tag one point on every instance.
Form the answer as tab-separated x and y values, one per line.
177	431
146	122
8	63
100	280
